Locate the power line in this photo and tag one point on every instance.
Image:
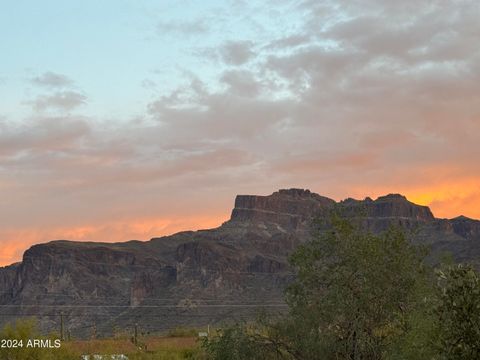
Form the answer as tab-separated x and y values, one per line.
142	306
149	315
127	298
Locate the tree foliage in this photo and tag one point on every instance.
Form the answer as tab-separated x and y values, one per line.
356	291
459	312
364	296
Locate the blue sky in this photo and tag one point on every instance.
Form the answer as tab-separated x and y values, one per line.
133	119
124	53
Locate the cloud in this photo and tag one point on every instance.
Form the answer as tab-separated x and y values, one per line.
236	52
223	117
52	80
148	84
43	134
66	100
289	41
241	82
230	53
184	28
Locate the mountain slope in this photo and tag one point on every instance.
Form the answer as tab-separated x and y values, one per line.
202	277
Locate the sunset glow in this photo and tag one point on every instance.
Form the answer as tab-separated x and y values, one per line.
129	120
16	242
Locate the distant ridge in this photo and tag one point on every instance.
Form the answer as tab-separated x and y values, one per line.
207	276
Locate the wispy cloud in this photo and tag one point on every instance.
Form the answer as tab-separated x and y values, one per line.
184	28
52	80
236	52
61	100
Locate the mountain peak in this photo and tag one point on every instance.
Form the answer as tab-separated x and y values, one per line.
390	197
388	207
286	207
297	192
290	208
463	218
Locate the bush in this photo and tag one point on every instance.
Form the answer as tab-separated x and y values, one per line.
238	342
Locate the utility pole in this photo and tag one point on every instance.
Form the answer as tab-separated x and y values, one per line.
62	336
94	335
135	335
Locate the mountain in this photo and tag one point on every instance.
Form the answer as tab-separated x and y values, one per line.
206	276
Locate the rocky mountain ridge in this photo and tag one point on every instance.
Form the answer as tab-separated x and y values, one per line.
206	276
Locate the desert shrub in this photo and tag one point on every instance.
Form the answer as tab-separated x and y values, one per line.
239	342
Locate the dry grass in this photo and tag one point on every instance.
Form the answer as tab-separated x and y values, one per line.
153	347
179	343
104	346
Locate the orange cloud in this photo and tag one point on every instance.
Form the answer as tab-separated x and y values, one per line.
446	199
451	199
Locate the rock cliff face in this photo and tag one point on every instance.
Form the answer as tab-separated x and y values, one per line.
289	209
203	277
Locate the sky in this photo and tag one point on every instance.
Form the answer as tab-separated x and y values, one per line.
127	120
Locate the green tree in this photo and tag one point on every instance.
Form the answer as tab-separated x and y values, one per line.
459	312
357	295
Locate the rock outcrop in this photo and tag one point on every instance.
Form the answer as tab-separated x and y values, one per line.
202	277
289	209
